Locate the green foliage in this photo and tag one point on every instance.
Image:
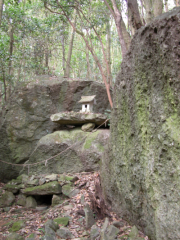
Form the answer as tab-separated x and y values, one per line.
39	40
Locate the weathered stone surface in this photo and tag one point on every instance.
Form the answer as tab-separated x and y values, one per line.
26	118
21	200
112	232
84	152
140	171
13	188
64	233
69	190
88	127
32	236
63	221
51	177
89	216
45	189
95	231
31	202
50	230
7	199
57	199
14	236
65	179
134	233
77	118
51	224
17	226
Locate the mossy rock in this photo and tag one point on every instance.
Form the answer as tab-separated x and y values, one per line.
13	188
7	199
14	236
67	189
66	178
62	221
58	199
45	189
15	181
17	226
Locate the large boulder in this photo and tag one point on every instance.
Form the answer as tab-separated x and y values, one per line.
45	189
78	118
141	169
26	117
69	151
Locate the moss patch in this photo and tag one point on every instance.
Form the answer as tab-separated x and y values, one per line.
62	221
17	226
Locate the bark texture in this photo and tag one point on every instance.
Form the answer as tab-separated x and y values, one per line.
1	9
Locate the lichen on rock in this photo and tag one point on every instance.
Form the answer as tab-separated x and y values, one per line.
140	170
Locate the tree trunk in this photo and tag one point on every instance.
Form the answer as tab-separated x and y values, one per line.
157	7
177	3
88	64
11	35
4	82
126	35
142	12
133	12
1	10
63	54
46	56
153	9
118	21
109	76
166	5
68	63
149	13
87	41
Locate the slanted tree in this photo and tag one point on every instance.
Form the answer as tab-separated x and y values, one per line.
86	22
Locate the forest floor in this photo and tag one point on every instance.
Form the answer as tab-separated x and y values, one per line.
34	220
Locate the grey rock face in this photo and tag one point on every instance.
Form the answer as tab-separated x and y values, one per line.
64	233
31	202
95	232
45	189
88	127
140	171
21	200
14	236
77	118
7	199
27	116
84	152
89	217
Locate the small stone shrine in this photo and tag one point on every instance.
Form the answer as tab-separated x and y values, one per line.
87	103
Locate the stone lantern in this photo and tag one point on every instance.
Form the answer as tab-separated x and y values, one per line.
87	103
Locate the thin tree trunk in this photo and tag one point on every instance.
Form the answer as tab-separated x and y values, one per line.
142	12
118	21
88	64
166	5
133	11
63	54
177	3
11	35
149	13
109	76
153	9
88	42
126	35
157	7
4	82
46	56
68	63
1	10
